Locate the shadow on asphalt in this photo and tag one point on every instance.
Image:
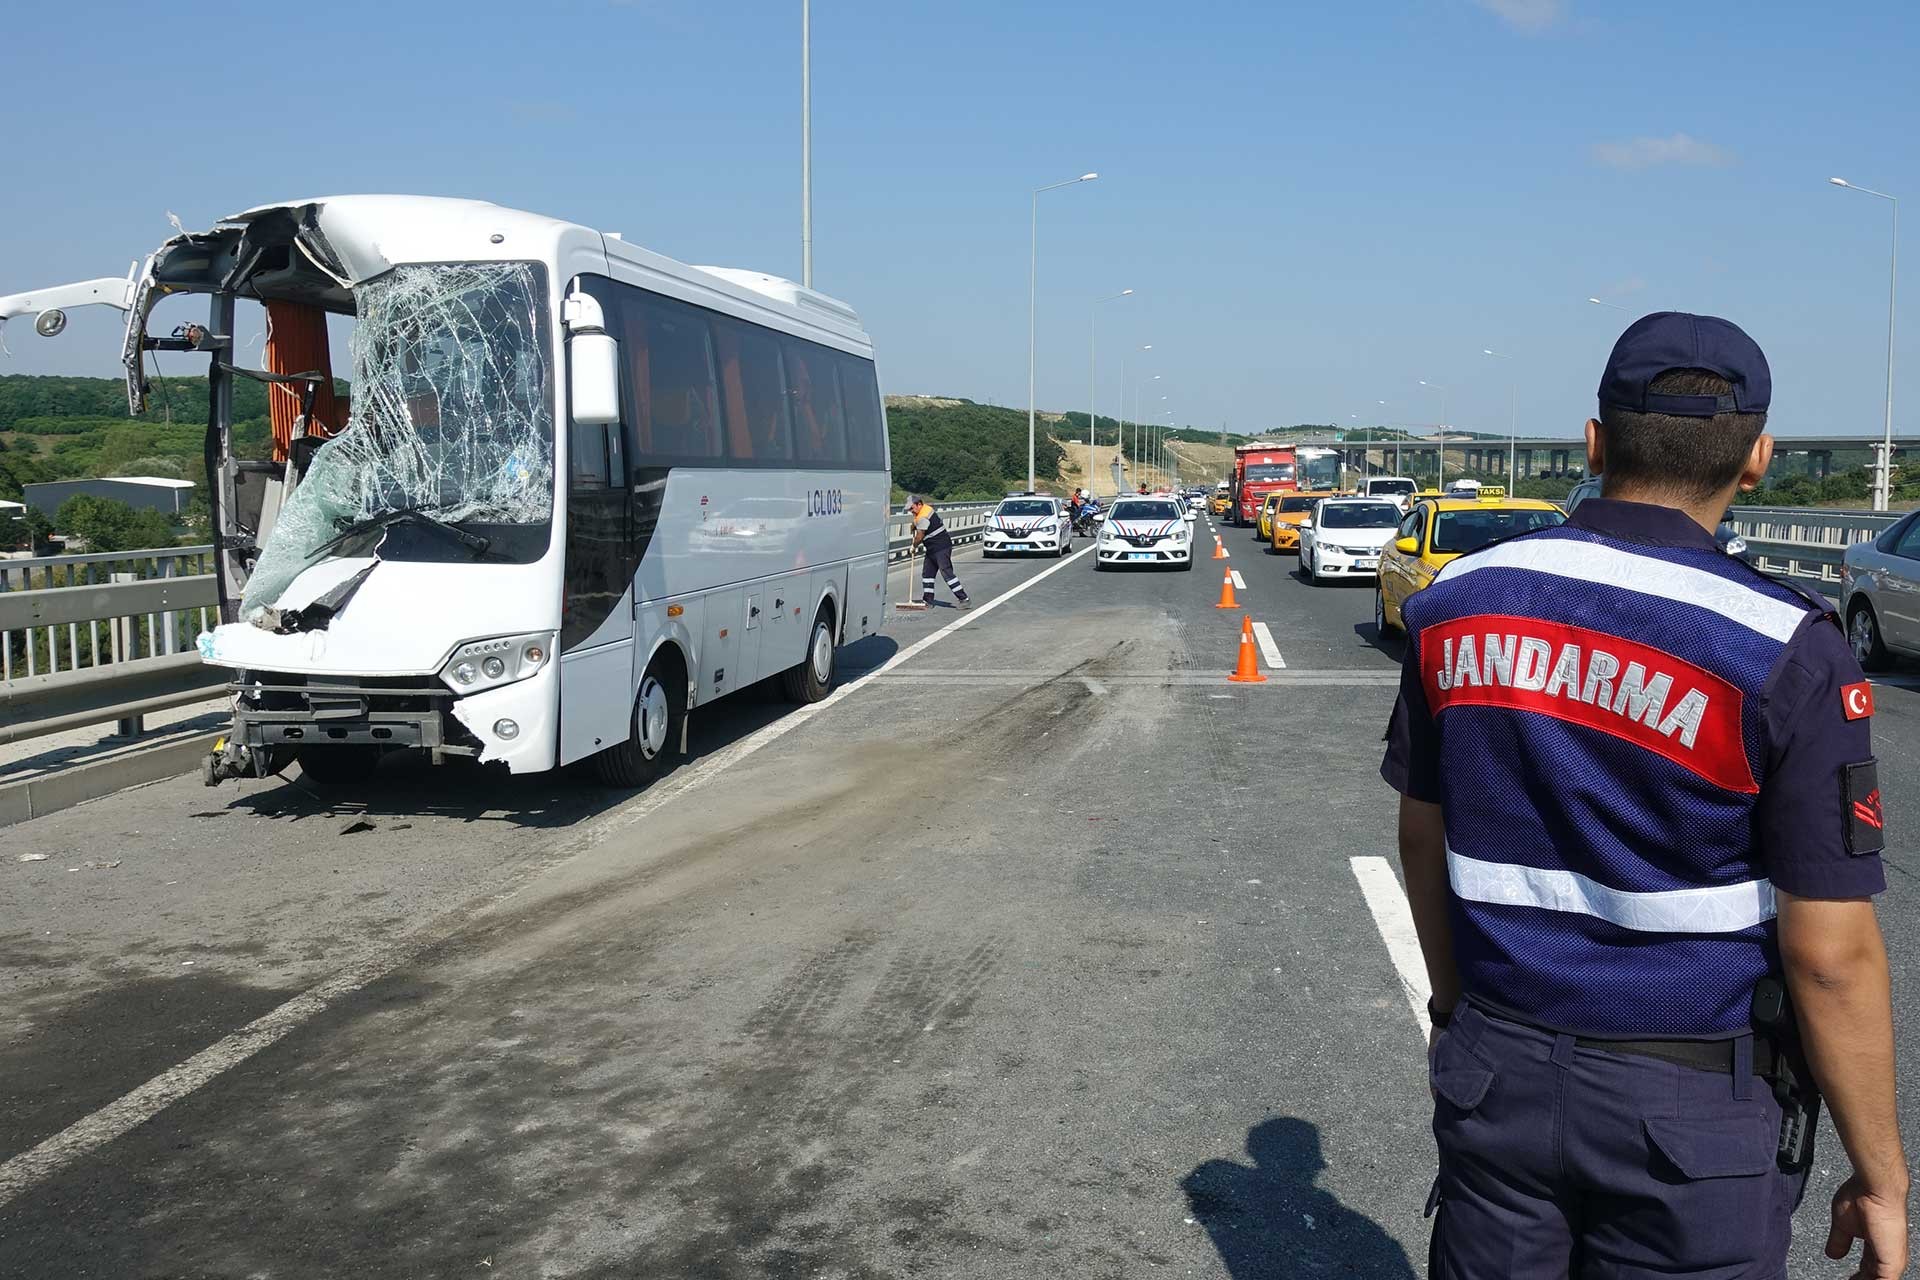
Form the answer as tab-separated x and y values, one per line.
408	785
1394	645
1270	1222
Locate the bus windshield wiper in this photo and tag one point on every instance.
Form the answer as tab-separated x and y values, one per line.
472	541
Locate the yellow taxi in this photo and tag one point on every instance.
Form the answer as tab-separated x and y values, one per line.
1219	503
1281	514
1438	529
1263	522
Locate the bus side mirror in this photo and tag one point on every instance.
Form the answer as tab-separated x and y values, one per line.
594	380
1407	546
593	361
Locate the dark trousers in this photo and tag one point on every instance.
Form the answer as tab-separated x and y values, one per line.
1563	1161
939	555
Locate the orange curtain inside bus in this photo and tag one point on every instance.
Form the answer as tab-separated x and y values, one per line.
297	343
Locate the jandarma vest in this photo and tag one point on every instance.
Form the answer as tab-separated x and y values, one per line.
1602	748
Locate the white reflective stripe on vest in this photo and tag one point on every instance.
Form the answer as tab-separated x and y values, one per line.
1596	562
1721	908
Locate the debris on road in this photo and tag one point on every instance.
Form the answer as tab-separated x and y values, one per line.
31	857
356	826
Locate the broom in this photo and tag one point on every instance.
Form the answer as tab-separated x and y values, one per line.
910	604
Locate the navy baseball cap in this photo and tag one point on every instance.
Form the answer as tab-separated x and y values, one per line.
1667	340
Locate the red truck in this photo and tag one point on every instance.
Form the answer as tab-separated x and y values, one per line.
1258	470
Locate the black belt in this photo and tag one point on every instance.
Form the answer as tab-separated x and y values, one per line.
1702	1055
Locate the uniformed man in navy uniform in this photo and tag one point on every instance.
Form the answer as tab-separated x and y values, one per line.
1638	802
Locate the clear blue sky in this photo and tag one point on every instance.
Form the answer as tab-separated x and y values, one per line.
1318	205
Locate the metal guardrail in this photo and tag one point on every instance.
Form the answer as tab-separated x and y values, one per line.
106	636
965	522
57	674
1809	543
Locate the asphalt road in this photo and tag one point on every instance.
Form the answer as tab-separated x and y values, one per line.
1037	953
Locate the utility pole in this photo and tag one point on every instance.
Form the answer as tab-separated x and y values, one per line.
806	143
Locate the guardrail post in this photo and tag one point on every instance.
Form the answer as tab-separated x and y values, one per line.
167	567
125	639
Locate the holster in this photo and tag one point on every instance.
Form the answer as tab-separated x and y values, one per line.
1792	1082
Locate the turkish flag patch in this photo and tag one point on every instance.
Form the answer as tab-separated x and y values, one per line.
1857	700
1866	822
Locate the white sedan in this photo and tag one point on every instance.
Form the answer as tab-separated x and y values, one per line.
1027	526
1144	531
1344	537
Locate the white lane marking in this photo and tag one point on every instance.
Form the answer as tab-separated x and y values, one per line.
1239	583
128	1112
1394	918
1168	680
1268	649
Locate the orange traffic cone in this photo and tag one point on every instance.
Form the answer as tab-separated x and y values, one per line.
1248	670
1219	548
1226	593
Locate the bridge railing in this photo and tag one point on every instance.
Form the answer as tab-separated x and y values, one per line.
965	521
85	639
104	636
1805	542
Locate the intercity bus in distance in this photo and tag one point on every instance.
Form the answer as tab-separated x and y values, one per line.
574	490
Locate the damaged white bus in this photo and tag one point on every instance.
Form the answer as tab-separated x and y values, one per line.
575	488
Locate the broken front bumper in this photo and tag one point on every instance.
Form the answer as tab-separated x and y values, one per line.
513	724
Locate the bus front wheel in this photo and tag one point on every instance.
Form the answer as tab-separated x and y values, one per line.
659	710
812	679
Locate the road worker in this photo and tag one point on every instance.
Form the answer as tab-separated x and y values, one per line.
1641	831
931	539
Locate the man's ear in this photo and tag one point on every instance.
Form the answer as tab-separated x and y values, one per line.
1596	448
1759	458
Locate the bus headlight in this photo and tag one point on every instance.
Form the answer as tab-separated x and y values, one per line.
484	664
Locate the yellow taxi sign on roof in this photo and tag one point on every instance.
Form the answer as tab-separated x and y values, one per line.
1492	492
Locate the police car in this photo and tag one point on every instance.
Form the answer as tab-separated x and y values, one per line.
1027	524
1142	531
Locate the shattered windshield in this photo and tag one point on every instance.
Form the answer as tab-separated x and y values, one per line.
452	417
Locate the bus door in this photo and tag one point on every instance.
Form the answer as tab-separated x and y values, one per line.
596	612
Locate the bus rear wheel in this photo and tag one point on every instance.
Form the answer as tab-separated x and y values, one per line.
659	711
812	679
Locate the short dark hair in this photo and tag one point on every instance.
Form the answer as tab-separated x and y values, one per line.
1691	458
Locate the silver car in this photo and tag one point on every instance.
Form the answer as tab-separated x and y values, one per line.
1880	595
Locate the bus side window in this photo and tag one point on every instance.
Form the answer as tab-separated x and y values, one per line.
866	420
671	365
819	430
758	427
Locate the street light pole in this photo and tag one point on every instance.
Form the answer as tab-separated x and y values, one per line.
1126	384
1513	411
1434	386
806	143
1883	483
1093	312
1033	294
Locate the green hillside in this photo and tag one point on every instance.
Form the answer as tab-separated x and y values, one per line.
55	428
59	428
